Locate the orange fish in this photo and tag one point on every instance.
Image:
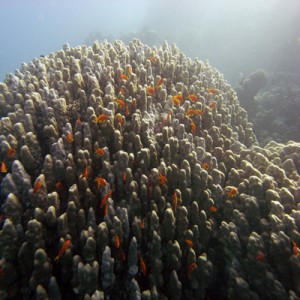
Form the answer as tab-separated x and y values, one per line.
212	91
78	120
143	224
176	102
191	268
123	256
37	185
129	70
11	152
261	256
3	167
120	102
143	266
175	200
212	105
193	128
117	241
193	97
213	209
120	119
123	77
295	249
190	243
162	179
127	110
85	173
150	90
100	151
106	209
205	166
232	193
169	116
105	198
62	250
198	112
153	58
178	97
190	112
70	137
100	181
102	118
159	83
124	177
59	185
122	90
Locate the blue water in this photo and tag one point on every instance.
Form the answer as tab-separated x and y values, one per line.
235	36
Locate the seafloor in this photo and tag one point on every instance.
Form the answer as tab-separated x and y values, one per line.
130	172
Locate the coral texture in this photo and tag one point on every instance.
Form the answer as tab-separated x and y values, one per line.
133	172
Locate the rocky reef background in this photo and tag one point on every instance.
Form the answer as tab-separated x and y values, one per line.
191	207
272	101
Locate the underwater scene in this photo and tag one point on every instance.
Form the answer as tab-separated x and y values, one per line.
150	149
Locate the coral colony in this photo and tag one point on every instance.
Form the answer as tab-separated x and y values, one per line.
130	172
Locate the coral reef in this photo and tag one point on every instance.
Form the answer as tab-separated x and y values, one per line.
133	172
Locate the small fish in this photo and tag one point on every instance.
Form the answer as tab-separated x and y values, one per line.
213	209
169	116
296	250
11	152
190	112
78	120
153	58
3	167
127	113
59	185
120	102
123	76
212	105
102	118
122	90
124	177
160	83
106	209
175	200
178	97
143	266
190	243
62	250
191	268
261	257
105	198
176	102
142	224
198	112
117	241
129	70
233	192
193	97
123	256
150	90
100	151
193	128
70	137
85	173
162	179
37	185
100	181
205	166
212	91
120	119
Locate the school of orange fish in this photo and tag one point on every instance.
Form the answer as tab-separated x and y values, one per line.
180	177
